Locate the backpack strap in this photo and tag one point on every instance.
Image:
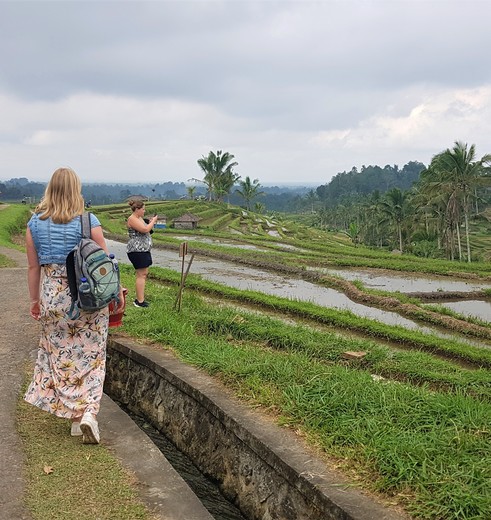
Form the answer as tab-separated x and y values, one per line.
85	224
74	312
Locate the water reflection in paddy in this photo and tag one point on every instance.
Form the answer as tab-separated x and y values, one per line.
216	241
472	308
230	243
408	283
242	277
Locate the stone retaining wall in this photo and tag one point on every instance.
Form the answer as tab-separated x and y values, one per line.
260	467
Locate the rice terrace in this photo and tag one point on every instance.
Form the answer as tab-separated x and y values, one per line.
404	413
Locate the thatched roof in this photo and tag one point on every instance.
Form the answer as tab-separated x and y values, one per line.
187	217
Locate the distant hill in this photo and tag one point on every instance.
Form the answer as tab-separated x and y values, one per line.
368	180
275	198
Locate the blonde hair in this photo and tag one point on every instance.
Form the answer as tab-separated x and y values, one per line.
136	204
62	200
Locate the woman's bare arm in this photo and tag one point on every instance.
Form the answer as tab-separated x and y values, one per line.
138	225
33	275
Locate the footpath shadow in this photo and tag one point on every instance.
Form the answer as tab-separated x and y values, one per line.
19	335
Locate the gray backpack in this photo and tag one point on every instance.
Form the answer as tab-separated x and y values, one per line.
93	277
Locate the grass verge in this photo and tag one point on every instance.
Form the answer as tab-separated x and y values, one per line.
67	479
13	220
5	261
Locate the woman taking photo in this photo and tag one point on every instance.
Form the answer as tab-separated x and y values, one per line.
70	368
139	246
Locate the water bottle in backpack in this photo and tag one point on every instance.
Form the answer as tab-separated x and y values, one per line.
84	286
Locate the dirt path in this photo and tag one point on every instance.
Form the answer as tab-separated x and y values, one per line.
18	338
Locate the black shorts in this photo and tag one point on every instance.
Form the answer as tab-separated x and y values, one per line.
140	260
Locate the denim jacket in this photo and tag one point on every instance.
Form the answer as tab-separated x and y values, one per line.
53	241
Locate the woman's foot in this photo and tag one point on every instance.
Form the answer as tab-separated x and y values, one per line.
136	303
90	429
76	431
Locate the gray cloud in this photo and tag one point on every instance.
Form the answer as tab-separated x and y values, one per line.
120	83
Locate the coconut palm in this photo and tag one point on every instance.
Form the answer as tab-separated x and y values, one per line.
394	208
455	175
249	190
464	174
311	197
438	197
191	190
219	175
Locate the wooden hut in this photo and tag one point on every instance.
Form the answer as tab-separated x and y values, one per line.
186	221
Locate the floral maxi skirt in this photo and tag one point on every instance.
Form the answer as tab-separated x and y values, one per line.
71	363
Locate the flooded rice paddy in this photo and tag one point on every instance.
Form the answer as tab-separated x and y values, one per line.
407	283
479	309
246	278
218	242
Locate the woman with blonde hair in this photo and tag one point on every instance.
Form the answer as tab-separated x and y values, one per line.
70	368
139	247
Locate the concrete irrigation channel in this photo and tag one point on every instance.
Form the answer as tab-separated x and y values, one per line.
265	471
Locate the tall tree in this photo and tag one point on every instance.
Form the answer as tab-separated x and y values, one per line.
462	170
191	190
249	190
393	207
311	199
219	173
457	173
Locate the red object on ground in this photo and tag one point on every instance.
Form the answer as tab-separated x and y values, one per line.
116	318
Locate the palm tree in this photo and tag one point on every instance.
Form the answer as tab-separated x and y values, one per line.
219	175
463	174
439	198
249	190
429	211
450	182
353	233
191	190
311	198
393	207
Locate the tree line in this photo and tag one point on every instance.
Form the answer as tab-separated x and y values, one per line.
430	218
426	210
248	193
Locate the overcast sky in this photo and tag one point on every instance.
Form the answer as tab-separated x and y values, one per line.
135	91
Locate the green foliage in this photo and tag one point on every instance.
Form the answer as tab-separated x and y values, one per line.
312	247
341	319
367	180
425	249
219	173
13	220
249	190
5	261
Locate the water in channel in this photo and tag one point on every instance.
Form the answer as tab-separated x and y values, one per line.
205	489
